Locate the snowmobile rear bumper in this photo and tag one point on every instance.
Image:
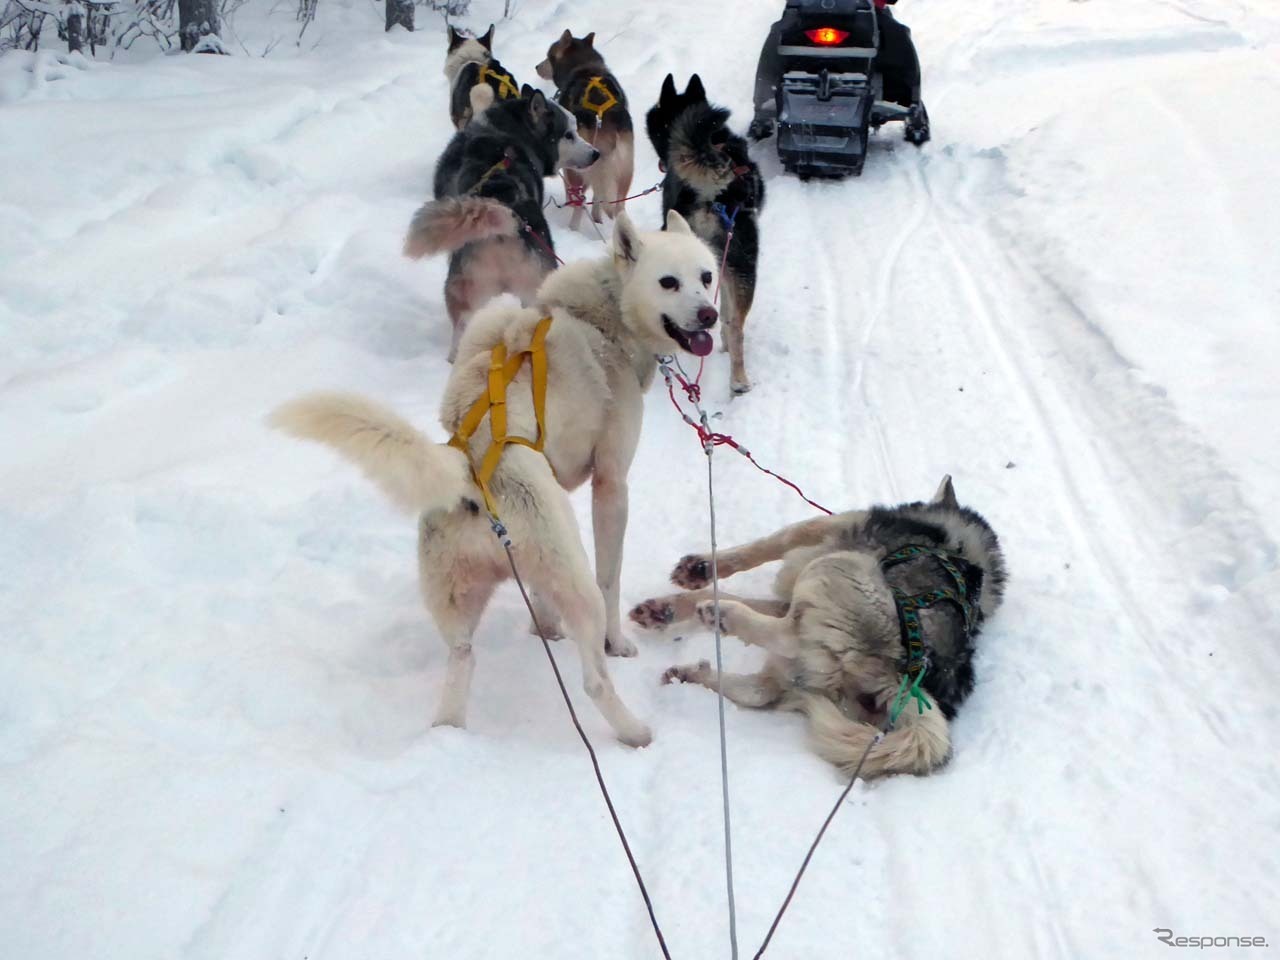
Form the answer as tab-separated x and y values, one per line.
823	123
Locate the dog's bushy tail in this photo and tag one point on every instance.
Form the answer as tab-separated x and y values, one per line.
917	744
443	226
415	473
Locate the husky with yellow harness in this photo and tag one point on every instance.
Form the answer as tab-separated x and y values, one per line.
585	87
476	79
540	400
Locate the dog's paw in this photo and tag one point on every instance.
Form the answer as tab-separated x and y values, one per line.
653	614
692	572
706	613
739	387
698	672
641	736
621	647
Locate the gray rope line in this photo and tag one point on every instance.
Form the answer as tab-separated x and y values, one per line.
804	864
501	532
724	749
707	448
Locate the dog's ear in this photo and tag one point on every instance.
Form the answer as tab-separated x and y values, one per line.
946	495
626	244
668	92
455	38
695	89
526	91
487	40
677	223
565	37
590	39
538	108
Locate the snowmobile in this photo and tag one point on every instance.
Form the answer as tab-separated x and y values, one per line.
829	92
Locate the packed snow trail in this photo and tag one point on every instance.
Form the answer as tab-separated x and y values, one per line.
217	677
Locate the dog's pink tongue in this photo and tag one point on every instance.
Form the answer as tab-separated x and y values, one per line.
700	343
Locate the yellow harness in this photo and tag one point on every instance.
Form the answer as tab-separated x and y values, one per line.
598	107
506	86
502	370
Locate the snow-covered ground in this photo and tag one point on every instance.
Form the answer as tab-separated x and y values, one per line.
216	678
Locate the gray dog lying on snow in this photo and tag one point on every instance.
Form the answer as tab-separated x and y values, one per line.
852	589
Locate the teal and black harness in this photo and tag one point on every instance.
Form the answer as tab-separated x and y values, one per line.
909	607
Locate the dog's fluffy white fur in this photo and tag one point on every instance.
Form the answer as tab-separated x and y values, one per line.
610	319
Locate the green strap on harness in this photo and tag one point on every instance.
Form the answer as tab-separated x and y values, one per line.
900	701
909	608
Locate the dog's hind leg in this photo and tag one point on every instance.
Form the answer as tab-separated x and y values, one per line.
582	609
694	570
456	603
679	608
545	616
551	557
622	165
745	689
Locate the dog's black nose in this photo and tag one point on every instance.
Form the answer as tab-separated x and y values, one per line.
707	317
595	155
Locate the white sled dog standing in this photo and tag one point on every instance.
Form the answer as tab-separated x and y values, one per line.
610	317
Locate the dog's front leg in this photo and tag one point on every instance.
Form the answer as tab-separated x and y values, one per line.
609	523
677	608
775	634
610	462
694	571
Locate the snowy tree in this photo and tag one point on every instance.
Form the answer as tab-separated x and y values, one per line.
21	22
400	12
199	26
73	25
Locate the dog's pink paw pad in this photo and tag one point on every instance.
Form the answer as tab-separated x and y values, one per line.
692	572
707	615
653	614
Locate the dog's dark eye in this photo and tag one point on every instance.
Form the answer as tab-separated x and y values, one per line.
670	283
706	278
569	135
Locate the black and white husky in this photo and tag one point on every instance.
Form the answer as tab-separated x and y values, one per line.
851	589
476	79
711	182
487	211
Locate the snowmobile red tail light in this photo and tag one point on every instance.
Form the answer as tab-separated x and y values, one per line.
827	36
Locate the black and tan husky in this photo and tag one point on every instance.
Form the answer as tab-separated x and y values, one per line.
586	88
711	181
